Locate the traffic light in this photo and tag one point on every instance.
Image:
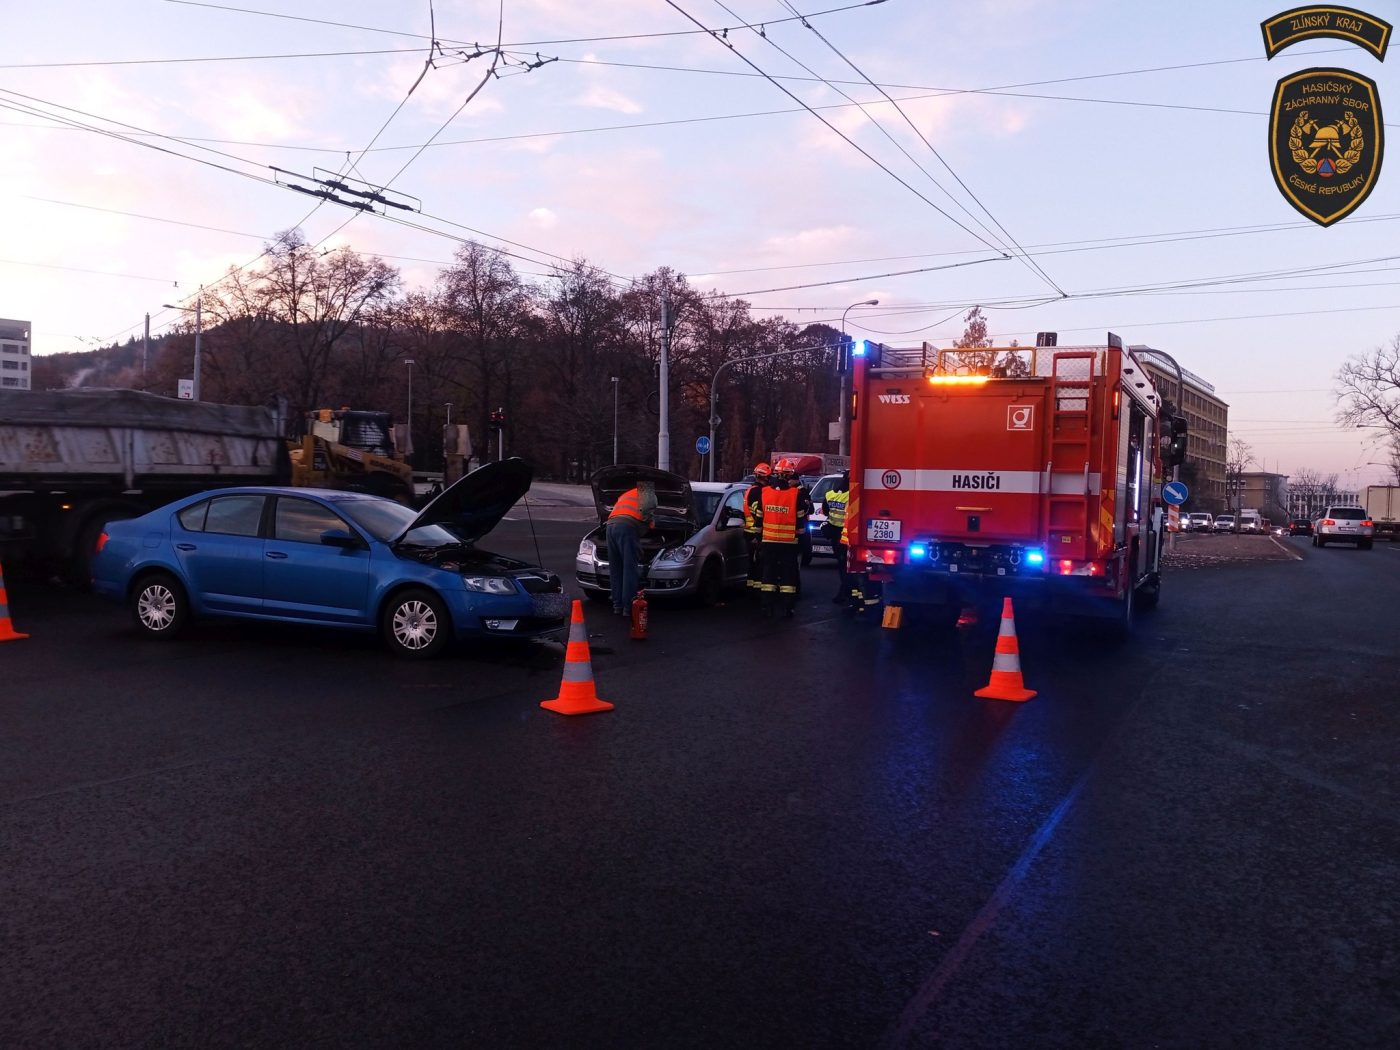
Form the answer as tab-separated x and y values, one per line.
498	418
1176	444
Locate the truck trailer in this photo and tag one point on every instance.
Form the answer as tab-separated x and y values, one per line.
73	460
1034	473
1383	508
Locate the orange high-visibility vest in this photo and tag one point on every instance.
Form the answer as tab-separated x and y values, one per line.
780	515
628	505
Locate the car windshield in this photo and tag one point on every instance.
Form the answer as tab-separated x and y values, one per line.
1349	513
705	504
821	488
1226	517
385	520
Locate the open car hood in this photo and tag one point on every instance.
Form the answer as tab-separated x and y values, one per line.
674	502
475	503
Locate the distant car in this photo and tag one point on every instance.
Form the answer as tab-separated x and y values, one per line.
335	559
821	546
1199	521
1345	525
695	546
1251	523
1224	523
1300	527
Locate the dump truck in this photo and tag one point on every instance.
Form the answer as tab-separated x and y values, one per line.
1025	472
351	449
73	460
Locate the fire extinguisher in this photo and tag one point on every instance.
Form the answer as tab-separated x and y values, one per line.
639	618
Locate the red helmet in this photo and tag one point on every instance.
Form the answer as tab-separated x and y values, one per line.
762	470
785	466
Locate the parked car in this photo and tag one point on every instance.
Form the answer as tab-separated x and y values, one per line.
1224	523
335	559
1300	527
1344	524
821	546
1199	521
695	545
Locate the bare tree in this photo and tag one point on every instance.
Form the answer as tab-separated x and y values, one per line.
1312	490
1368	389
1237	460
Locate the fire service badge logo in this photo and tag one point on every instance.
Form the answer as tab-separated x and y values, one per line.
1326	139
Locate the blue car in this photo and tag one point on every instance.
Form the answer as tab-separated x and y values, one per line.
334	559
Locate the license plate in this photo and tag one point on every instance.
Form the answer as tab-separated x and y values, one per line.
821	548
882	530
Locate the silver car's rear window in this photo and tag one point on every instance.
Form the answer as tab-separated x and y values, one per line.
1349	513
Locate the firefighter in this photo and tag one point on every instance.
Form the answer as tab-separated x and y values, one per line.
780	516
864	592
761	473
631	515
834	531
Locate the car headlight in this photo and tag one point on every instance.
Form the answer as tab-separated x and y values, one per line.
587	549
677	555
490	584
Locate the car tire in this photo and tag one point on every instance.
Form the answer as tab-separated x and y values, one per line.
415	624
1318	541
1150	594
709	588
159	606
1364	545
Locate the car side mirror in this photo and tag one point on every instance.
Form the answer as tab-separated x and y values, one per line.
338	538
732	517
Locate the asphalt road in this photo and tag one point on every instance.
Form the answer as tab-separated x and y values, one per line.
790	834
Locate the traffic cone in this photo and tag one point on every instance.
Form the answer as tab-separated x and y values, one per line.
576	693
1006	681
7	629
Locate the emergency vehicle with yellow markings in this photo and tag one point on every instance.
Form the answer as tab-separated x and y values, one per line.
1030	472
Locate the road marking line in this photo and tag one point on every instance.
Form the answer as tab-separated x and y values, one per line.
1287	550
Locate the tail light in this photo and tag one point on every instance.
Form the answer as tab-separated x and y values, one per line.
874	557
1327	521
101	542
1067	567
1368	523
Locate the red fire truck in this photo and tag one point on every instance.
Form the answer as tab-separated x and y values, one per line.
1029	472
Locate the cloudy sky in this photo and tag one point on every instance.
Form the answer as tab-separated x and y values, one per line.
1124	146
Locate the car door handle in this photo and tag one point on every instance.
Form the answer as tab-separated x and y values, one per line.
186	547
276	554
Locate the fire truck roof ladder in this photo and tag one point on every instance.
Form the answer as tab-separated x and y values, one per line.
1067	512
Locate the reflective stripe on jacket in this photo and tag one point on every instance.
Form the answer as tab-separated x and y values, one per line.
780	515
836	508
628	505
852	508
751	496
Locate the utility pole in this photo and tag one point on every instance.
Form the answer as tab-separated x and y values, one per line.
614	383
198	333
663	436
145	351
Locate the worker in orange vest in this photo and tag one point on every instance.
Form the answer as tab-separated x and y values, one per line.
761	473
631	516
781	513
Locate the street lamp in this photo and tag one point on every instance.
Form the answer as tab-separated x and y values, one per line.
198	331
614	383
408	433
844	416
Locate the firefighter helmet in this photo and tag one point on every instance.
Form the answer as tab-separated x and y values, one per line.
785	467
762	470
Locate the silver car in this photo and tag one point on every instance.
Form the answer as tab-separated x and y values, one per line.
1345	525
695	545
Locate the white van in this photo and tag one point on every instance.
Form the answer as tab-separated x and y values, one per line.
1199	521
1251	522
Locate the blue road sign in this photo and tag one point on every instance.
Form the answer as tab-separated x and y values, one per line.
702	446
1175	492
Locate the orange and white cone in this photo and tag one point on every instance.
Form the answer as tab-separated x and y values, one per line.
7	629
577	695
1006	681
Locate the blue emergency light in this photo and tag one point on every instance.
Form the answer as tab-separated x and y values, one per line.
1035	556
860	347
917	550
